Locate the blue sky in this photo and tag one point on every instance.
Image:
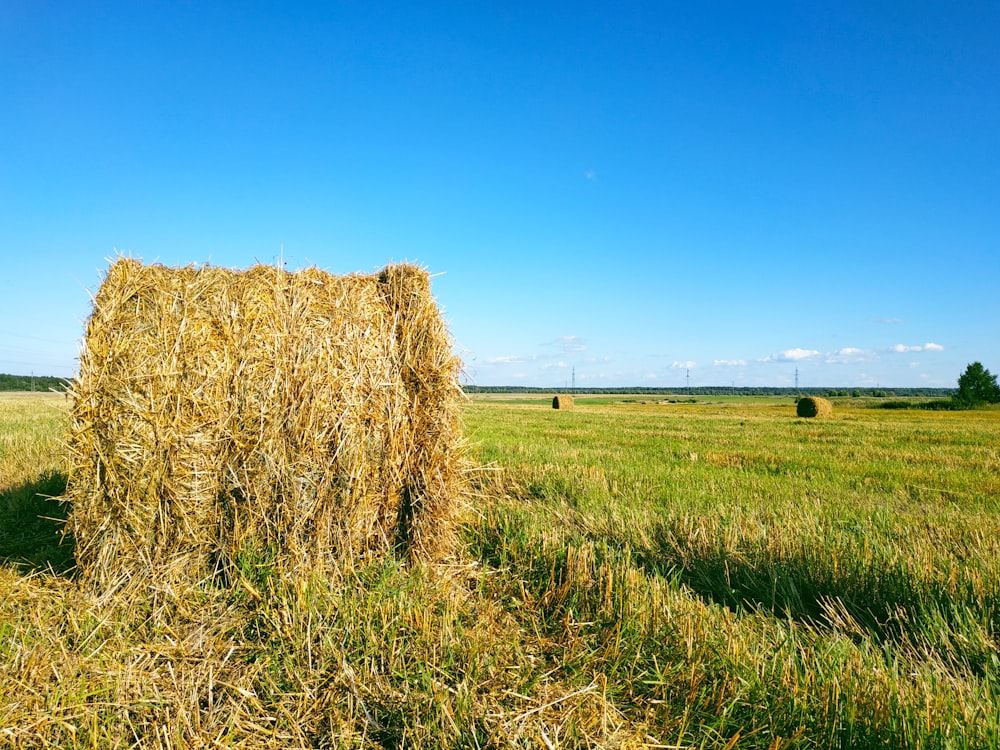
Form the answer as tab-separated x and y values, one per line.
641	192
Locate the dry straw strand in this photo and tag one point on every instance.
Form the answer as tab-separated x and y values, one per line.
305	418
814	406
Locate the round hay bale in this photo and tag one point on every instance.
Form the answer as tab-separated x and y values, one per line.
562	402
814	406
307	418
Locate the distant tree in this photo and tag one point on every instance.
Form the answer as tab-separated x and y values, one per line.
856	393
977	386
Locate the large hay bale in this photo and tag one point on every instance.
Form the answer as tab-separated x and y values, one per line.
303	417
562	402
814	406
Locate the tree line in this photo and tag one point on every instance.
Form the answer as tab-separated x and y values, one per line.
32	383
720	391
977	386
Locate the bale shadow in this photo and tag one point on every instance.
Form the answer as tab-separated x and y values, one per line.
881	604
32	524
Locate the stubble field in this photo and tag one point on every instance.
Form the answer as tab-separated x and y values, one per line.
663	575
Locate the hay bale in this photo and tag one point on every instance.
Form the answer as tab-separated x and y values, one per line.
307	418
562	402
814	406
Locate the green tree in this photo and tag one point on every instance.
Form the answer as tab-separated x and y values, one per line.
977	386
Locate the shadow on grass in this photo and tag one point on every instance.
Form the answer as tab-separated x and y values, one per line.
884	603
31	526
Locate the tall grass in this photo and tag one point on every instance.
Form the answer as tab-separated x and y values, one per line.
663	575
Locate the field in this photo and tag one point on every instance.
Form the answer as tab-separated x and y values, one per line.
674	575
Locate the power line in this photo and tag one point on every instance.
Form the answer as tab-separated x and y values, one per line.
36	338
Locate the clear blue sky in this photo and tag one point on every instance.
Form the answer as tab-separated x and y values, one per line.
642	191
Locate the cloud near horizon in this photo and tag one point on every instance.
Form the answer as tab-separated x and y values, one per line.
847	354
561	353
513	359
928	347
791	355
850	355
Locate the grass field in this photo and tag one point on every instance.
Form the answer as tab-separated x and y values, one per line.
678	575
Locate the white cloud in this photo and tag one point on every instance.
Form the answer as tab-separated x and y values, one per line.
684	365
550	365
849	355
729	363
888	321
791	355
797	354
928	347
506	360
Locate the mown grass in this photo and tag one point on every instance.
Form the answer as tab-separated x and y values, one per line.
663	575
32	470
839	578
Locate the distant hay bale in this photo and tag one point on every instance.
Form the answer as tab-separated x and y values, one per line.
814	406
303	417
562	402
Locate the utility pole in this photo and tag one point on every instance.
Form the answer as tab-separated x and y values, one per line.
796	379
689	378
574	380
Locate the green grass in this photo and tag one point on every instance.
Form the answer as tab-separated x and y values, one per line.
720	574
838	578
31	472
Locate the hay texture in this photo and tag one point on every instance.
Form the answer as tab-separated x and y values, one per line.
301	418
562	402
814	406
